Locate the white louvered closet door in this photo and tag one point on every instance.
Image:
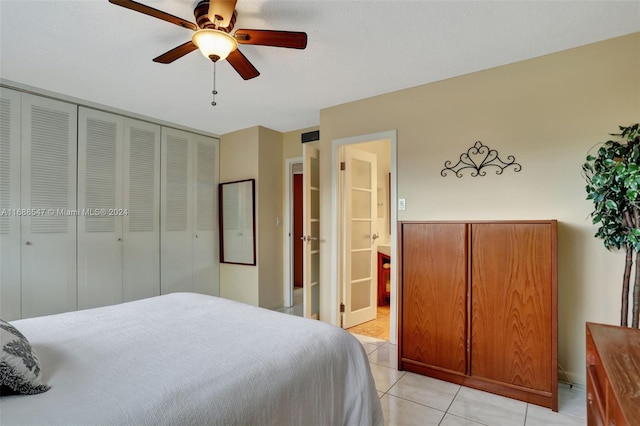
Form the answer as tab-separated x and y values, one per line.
176	217
141	227
205	244
188	214
100	145
10	299
48	181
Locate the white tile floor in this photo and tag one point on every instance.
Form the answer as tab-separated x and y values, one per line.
412	399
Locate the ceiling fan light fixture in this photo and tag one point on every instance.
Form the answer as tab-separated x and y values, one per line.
214	44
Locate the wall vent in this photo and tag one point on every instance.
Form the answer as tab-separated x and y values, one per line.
311	136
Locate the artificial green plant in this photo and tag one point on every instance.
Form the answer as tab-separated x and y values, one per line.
613	184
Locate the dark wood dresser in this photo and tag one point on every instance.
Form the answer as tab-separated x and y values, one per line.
478	305
613	375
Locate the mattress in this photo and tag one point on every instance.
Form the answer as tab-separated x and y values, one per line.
191	359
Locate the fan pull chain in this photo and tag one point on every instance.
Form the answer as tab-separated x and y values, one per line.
214	92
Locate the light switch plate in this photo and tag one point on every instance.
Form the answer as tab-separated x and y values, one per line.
401	204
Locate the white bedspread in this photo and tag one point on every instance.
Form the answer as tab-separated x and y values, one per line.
188	359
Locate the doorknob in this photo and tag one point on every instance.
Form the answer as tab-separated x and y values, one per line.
28	243
375	237
307	238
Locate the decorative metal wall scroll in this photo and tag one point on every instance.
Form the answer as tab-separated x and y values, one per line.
477	158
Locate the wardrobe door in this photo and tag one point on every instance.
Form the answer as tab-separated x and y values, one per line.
434	292
176	214
511	303
206	268
10	299
48	182
141	223
99	198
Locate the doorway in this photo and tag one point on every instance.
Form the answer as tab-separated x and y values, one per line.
310	164
384	275
294	246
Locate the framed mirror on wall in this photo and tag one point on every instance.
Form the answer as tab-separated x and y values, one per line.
237	222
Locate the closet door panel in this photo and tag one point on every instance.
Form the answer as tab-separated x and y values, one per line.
10	298
434	289
176	215
511	304
99	195
48	182
205	244
141	224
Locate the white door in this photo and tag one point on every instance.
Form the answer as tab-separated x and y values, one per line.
311	233
206	268
189	209
118	173
100	142
141	203
10	299
360	237
48	182
176	217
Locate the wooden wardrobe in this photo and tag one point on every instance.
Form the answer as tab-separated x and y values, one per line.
478	305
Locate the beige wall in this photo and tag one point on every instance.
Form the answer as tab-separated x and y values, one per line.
548	112
292	142
260	153
256	153
239	161
270	217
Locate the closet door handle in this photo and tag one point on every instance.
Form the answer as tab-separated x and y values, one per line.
28	243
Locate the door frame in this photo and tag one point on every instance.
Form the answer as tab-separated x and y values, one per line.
288	229
335	295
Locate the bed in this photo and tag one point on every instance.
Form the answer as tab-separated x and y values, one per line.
190	359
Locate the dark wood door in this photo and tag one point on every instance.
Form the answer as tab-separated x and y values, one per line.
511	303
434	288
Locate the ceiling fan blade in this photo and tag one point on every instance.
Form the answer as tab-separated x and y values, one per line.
222	11
290	39
147	10
176	53
240	63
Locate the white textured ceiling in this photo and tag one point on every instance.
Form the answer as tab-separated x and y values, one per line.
96	51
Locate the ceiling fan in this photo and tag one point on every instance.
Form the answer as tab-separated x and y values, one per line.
215	20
